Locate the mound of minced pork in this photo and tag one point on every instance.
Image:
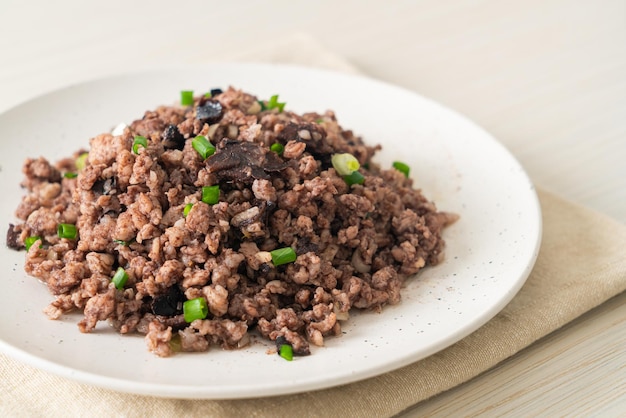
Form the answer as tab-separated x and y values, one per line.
203	221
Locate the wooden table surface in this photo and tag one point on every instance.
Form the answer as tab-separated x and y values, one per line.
547	78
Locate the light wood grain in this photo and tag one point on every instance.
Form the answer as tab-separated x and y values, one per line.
576	371
547	78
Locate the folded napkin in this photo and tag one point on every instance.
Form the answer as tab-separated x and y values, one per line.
581	265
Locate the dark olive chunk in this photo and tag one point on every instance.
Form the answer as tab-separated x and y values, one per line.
170	303
12	236
316	142
105	187
264	269
243	161
215	92
280	340
172	138
209	112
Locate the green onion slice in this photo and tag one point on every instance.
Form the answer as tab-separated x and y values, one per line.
120	278
345	164
208	95
28	242
354	178
81	160
273	103
186	209
139	141
175	343
186	97
70	175
195	309
283	256
122	242
211	194
66	231
286	352
278	148
401	167
203	146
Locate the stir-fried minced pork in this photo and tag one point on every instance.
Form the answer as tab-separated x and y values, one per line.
147	242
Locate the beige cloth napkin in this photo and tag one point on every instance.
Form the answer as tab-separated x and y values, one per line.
581	265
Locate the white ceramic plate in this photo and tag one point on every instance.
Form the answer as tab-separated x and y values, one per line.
490	251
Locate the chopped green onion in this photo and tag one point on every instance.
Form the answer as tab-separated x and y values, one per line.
195	309
401	167
66	231
354	178
28	242
208	95
70	175
320	120
139	141
186	97
186	209
286	352
273	103
203	146
283	256
122	242
211	194
175	343
120	278
345	164
263	107
81	161
278	148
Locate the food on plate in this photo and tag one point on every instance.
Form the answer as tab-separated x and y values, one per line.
224	214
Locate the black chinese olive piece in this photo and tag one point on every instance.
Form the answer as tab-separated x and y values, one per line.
320	149
215	92
12	236
105	187
264	269
209	112
170	303
243	161
280	341
172	138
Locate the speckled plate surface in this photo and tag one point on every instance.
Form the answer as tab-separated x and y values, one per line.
490	251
